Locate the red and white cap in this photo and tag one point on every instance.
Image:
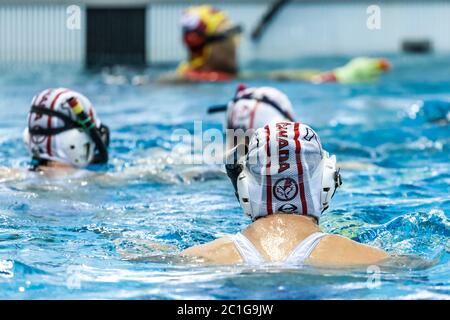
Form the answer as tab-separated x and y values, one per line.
253	108
73	146
286	171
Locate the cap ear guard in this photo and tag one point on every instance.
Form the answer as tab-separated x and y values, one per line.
243	193
331	180
236	171
77	147
26	136
42	110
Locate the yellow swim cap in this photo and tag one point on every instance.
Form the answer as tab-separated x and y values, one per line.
203	18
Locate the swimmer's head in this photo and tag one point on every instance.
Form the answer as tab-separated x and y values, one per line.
58	132
205	24
384	64
254	108
285	170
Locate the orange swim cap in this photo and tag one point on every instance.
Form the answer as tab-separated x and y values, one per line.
384	64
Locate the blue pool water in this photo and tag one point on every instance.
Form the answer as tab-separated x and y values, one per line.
93	236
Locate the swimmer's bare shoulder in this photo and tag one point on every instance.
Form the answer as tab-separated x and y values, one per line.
334	250
222	251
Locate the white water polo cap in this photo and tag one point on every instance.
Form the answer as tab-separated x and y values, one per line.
253	108
63	127
284	171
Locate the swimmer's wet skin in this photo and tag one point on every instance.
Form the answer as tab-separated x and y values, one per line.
64	131
284	183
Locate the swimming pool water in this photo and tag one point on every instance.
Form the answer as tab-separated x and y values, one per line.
88	236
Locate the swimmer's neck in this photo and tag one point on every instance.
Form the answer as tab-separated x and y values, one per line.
275	236
282	221
54	165
293	218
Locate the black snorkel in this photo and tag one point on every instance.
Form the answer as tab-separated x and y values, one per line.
91	129
217	108
196	40
221	36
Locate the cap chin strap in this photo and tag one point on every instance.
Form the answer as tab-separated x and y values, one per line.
331	180
76	147
39	131
101	157
238	174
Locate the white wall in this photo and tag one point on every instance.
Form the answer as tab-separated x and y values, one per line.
305	29
164	33
37	33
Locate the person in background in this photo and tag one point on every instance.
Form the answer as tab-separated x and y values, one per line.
284	183
253	108
211	40
360	69
64	131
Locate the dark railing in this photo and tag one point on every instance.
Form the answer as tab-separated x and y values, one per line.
267	18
